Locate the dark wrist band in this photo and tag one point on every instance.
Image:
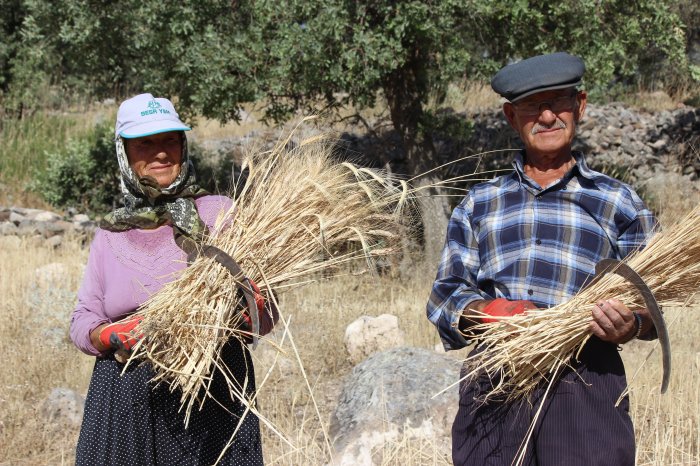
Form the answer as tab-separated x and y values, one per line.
638	320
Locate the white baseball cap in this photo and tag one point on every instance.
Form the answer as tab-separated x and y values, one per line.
145	115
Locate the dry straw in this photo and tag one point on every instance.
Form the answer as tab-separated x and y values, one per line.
526	350
300	214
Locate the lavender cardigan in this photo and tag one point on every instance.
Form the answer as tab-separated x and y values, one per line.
125	268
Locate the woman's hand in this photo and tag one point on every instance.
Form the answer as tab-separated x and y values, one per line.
118	336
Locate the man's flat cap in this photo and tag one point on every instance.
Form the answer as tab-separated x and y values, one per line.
541	73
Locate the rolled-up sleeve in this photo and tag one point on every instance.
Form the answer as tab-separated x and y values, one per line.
455	284
89	312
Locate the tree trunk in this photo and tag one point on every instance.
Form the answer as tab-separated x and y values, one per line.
405	89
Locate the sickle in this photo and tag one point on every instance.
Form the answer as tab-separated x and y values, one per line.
193	251
625	271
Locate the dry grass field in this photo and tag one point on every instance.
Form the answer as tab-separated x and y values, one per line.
35	306
37	293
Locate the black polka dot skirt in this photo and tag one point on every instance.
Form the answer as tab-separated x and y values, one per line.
129	421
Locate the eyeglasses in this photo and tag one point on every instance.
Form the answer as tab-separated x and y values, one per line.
557	105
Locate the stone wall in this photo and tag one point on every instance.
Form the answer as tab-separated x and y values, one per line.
629	144
43	227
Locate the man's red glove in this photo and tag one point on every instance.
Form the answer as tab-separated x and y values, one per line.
503	308
120	335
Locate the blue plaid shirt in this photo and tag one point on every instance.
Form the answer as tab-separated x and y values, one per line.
509	238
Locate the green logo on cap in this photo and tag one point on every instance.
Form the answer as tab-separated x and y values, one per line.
153	108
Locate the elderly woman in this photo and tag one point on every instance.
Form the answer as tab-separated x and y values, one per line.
127	419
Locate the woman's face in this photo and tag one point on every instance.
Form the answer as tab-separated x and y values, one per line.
158	156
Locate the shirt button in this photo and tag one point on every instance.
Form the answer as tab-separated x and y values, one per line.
530	292
538	242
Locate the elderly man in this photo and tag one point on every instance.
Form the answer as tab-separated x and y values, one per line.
531	239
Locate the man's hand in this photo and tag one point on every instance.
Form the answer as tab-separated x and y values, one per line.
613	322
503	308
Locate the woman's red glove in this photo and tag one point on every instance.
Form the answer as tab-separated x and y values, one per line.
503	308
259	303
120	335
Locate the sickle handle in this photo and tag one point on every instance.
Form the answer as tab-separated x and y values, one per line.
625	271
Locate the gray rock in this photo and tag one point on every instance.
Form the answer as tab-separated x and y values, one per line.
8	228
660	144
25	211
29	228
59	227
80	218
16	217
46	216
367	335
393	391
54	241
63	408
84	226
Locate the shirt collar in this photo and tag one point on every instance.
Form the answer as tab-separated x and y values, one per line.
581	168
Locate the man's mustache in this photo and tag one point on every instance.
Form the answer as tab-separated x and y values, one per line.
556	125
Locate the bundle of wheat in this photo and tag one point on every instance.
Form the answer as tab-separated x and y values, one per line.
300	213
524	350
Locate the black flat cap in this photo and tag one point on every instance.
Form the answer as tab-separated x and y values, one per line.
541	73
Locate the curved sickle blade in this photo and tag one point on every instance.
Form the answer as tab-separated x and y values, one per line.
227	261
193	250
626	272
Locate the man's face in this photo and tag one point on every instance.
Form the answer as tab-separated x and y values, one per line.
158	155
546	121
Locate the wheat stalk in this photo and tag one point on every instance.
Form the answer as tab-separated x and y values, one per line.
523	351
300	214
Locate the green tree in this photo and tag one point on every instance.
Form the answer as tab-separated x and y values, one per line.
215	55
411	50
300	54
23	58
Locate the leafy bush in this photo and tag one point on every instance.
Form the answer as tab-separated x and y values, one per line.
85	175
214	171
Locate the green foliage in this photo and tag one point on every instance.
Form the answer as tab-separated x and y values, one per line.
615	37
294	52
83	175
25	62
214	172
343	52
449	125
215	55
